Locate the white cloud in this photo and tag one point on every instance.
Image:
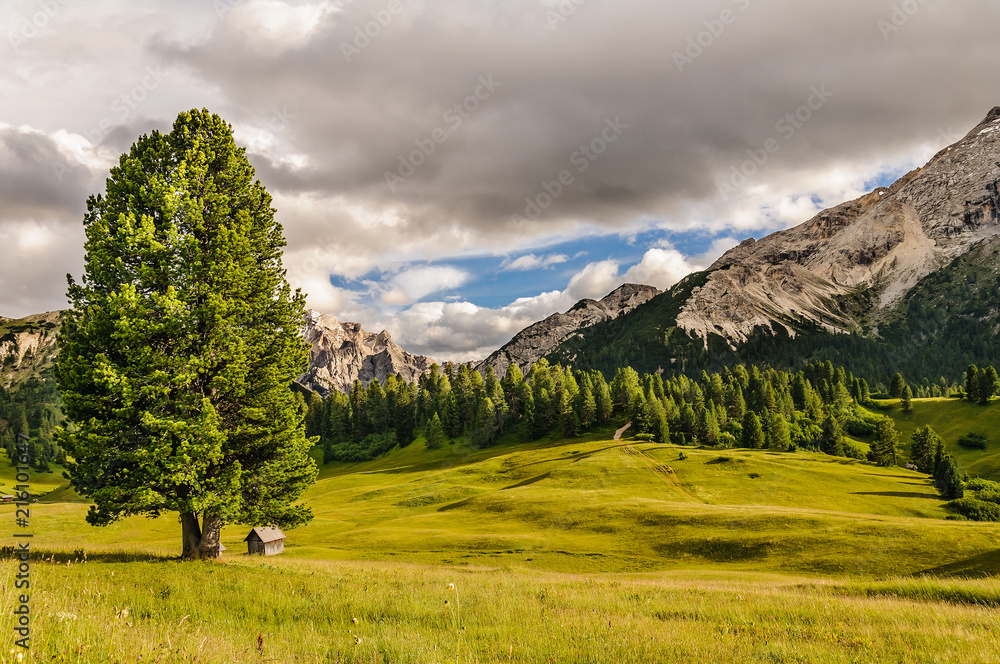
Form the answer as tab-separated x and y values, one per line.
417	283
661	268
533	262
272	26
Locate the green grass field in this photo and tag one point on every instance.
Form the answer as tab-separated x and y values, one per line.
952	418
587	549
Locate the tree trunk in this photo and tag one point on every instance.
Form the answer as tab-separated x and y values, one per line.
190	534
211	530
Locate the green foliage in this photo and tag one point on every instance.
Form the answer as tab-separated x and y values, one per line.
32	408
884	448
370	447
947	479
435	433
896	386
906	399
974	441
974	509
926	449
176	360
753	432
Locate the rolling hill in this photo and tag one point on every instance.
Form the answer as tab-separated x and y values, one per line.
593	504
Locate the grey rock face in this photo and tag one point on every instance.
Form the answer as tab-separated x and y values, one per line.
536	341
27	345
343	352
883	242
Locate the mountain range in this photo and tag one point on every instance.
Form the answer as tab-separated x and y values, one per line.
905	277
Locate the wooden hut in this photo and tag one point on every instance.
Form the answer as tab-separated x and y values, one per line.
265	541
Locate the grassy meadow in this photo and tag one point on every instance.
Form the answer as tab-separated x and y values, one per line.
952	418
580	550
297	610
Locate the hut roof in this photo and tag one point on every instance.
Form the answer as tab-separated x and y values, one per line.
266	534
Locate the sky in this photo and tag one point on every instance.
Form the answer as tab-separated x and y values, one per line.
453	171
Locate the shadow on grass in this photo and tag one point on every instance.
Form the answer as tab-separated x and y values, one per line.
897	494
726	460
984	565
81	555
528	482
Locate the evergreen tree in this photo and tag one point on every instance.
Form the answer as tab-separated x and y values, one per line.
924	449
568	420
485	422
947	479
587	406
658	422
896	386
735	404
972	383
906	399
708	427
176	358
778	436
602	397
883	449
512	387
435	433
753	432
986	385
832	437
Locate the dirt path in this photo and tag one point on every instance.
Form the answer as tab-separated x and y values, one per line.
618	434
664	472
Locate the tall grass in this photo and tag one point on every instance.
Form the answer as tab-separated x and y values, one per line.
289	610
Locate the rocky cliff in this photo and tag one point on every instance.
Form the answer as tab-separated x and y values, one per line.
27	346
536	341
881	244
343	352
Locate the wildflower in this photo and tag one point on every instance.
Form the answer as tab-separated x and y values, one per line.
451	586
354	620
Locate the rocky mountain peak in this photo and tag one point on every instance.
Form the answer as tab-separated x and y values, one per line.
538	340
882	243
343	352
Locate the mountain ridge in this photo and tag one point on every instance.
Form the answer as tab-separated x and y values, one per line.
539	339
342	352
863	269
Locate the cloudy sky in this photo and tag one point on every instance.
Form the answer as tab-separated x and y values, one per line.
455	170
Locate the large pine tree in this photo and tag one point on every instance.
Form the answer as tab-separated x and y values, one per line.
176	359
